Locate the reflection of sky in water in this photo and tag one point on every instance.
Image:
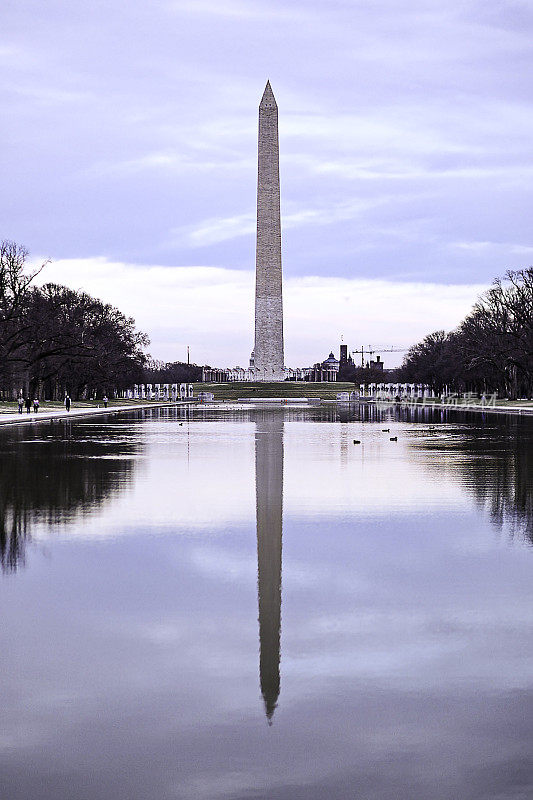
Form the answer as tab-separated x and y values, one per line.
130	663
210	469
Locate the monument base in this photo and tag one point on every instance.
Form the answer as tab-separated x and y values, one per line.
273	378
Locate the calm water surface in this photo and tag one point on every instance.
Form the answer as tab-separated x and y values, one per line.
242	603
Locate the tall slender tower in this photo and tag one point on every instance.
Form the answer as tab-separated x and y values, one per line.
268	348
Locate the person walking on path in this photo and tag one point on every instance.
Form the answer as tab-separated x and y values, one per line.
28	405
21	404
105	400
67	402
36	405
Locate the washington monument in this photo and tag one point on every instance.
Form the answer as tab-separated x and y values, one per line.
268	349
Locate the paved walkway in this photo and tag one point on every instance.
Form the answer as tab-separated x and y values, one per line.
60	413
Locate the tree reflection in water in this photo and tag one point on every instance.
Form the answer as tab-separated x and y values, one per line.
493	457
51	472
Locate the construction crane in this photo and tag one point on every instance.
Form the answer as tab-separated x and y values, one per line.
371	350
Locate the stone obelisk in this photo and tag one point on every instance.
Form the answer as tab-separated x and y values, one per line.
268	350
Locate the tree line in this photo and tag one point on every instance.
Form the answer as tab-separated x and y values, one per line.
54	339
490	351
354	373
171	372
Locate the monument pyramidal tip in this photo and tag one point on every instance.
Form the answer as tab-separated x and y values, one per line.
268	348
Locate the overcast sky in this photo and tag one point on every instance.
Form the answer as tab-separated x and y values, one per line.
129	158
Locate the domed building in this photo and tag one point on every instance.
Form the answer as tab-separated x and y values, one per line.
324	370
331	364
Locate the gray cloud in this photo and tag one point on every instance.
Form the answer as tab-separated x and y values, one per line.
131	122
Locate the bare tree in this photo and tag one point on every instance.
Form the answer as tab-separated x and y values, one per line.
491	350
15	284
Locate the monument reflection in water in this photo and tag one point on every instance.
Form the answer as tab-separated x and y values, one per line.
269	516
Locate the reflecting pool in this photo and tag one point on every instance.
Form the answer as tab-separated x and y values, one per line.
243	602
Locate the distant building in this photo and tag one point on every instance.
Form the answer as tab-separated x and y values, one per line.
377	364
331	363
214	375
343	354
345	363
322	371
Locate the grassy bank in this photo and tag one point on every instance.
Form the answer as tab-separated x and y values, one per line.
233	391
